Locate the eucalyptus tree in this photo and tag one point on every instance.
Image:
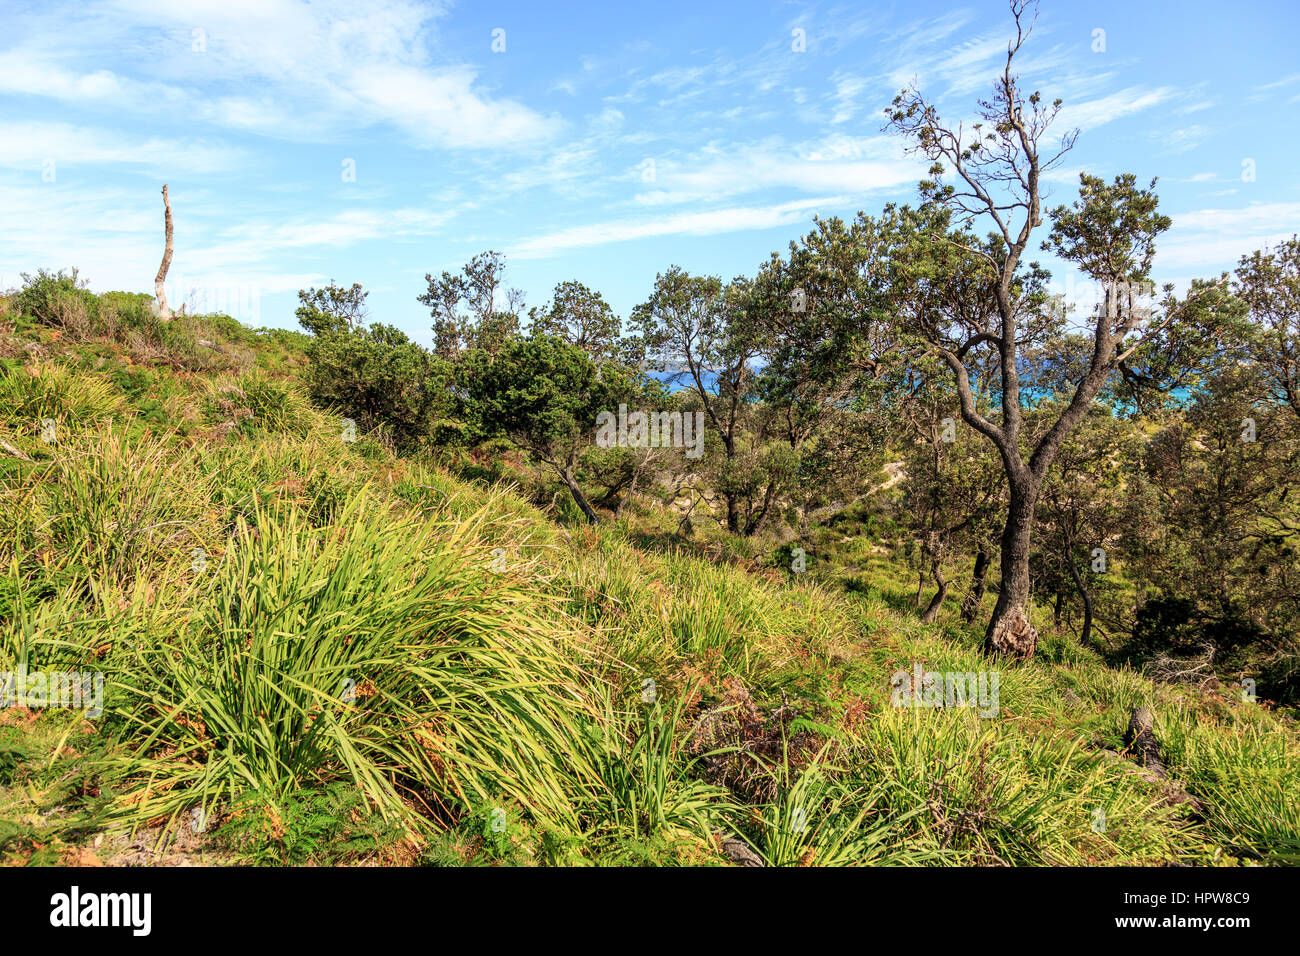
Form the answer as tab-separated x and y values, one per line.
334	308
544	394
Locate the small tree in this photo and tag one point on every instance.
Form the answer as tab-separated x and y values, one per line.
380	378
544	395
699	329
581	317
332	309
473	309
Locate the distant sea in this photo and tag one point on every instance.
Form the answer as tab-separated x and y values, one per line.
679	381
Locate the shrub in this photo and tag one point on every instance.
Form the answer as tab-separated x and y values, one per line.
380	378
58	299
254	401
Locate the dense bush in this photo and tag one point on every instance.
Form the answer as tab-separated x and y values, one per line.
59	299
379	378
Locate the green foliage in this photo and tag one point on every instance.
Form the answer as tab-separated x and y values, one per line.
254	401
381	380
349	655
71	398
1110	230
59	299
545	395
331	826
651	793
541	392
332	309
465	307
581	317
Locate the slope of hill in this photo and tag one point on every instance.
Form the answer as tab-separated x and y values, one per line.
315	651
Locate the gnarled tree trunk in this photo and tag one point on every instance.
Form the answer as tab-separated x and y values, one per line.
1009	630
936	602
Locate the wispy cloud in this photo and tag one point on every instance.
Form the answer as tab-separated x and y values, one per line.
1093	114
847	165
1206	239
320	69
30	145
732	219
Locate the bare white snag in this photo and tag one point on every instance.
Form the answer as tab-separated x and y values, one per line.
159	292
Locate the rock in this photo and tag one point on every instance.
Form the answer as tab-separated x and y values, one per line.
739	852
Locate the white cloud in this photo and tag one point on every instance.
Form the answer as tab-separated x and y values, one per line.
847	92
1181	140
1275	215
322	69
28	145
1277	84
843	164
1209	240
733	219
1092	114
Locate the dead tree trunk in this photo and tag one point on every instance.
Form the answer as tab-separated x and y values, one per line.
160	293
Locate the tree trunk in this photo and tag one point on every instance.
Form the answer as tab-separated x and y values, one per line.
159	291
1084	593
975	596
733	515
578	496
1009	630
932	611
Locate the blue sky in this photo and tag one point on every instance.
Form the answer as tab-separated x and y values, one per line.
604	143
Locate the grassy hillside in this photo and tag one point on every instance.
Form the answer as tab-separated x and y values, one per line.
316	651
